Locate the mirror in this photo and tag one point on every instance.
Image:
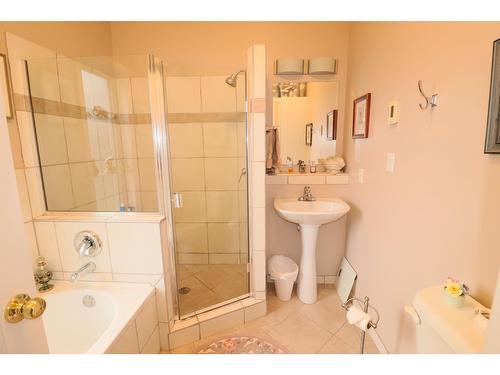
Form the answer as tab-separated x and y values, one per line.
305	114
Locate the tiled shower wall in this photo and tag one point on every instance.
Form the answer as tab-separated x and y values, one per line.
207	132
89	163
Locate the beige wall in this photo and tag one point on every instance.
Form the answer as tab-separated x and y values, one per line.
68	38
437	214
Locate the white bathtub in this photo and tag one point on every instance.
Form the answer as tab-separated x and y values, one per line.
89	317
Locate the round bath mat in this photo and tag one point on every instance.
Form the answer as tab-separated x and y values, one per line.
243	345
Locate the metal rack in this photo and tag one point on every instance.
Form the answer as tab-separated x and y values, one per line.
348	304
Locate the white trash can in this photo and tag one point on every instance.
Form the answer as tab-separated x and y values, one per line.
283	272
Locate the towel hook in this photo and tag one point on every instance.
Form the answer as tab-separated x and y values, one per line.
432	100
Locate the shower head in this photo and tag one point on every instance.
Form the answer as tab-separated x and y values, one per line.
231	80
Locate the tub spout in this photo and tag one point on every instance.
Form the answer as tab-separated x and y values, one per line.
88	268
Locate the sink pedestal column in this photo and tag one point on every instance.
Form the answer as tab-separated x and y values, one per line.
306	284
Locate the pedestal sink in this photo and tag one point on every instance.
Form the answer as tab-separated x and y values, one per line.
310	215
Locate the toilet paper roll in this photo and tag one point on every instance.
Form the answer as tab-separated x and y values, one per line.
358	317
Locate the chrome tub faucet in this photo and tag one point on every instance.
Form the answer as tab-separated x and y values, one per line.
88	268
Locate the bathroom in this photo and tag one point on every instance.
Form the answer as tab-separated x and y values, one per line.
134	157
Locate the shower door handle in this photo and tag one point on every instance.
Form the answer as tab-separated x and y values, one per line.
177	200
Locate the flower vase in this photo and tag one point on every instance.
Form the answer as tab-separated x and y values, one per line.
454	301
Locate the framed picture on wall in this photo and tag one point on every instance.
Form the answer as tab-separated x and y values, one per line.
5	86
331	125
361	116
492	141
309	134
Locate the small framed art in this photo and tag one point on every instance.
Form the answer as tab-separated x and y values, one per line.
361	116
309	134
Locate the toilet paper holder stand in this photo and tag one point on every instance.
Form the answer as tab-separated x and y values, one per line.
366	305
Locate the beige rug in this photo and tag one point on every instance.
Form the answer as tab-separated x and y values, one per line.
243	345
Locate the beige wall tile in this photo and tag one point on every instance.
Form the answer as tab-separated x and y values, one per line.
15	144
134	200
188	174
128	141
28	139
193	209
132	175
217	95
220	139
140	95
24	198
186	258
85	182
35	190
107	142
221	173
147	174
124	94
126	239
243	237
70	80
149	201
183	94
146	321
259	184
221	323
51	139
223	237
222	206
144	141
47	244
241	139
153	345
224	258
259	229
43	77
82	140
241	93
126	342
259	271
58	189
186	140
184	336
191	237
31	239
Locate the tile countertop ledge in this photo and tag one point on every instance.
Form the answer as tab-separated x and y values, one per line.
109	217
319	178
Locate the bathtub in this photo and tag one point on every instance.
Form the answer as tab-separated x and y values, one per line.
92	317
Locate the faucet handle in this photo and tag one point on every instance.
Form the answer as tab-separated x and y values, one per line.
307	189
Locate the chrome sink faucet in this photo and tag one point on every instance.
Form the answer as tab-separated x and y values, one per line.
88	268
307	196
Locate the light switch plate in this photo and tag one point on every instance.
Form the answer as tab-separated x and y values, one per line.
361	175
393	115
390	162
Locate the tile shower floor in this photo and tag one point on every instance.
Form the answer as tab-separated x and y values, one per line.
301	328
210	284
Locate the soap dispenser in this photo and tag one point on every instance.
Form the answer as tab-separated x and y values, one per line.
289	164
43	276
312	166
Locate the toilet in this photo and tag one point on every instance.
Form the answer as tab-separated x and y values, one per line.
443	329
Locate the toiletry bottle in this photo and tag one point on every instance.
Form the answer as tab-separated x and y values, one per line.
122	207
312	166
289	164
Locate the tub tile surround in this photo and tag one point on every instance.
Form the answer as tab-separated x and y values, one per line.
142	333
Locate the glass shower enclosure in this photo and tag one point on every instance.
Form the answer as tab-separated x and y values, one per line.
114	135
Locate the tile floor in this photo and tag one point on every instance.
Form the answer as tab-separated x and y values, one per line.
210	284
301	328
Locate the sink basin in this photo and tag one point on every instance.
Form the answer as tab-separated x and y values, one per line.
318	212
310	216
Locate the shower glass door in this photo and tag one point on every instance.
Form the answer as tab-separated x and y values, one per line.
207	133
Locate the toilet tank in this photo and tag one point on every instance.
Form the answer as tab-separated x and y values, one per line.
443	329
